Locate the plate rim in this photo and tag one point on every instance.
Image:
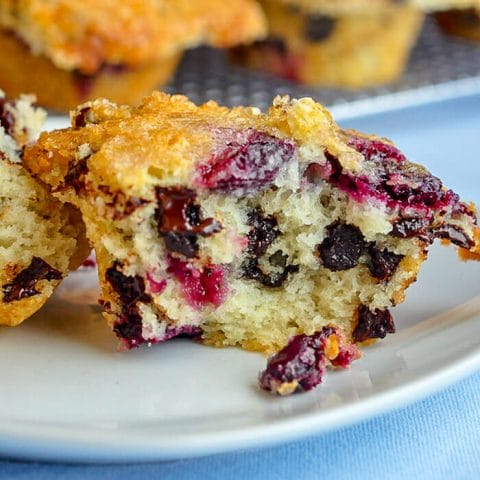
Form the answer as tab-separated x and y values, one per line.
88	445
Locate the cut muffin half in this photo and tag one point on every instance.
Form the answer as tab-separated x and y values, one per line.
248	229
41	239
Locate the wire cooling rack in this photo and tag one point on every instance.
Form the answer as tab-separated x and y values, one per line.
440	67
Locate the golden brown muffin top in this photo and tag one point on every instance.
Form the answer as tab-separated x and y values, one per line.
86	34
336	7
163	140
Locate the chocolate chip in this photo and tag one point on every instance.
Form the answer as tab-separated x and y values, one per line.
7	120
24	284
130	289
75	177
80	119
319	27
120	205
374	324
130	328
263	233
455	234
181	243
179	220
342	248
383	263
252	270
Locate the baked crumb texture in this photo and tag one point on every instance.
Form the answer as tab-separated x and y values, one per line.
274	232
82	50
40	237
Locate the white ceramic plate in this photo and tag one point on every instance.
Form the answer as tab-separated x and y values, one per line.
67	394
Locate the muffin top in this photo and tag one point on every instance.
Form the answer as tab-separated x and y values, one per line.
87	34
123	154
168	140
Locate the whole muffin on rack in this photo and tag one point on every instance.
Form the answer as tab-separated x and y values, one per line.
68	51
275	231
41	239
317	44
336	7
339	43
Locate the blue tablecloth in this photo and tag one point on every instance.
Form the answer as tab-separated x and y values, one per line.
436	438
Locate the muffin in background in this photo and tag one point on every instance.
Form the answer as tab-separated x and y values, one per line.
67	52
338	7
350	44
356	49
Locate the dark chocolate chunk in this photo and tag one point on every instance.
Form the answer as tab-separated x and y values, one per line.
75	177
24	284
7	120
130	289
181	243
252	270
129	328
179	220
342	248
80	120
319	27
374	324
263	233
455	234
383	263
119	204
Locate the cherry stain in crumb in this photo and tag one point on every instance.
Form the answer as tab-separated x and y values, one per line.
396	181
246	165
200	288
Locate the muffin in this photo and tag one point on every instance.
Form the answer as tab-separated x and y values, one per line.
82	50
352	48
335	7
271	232
41	238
